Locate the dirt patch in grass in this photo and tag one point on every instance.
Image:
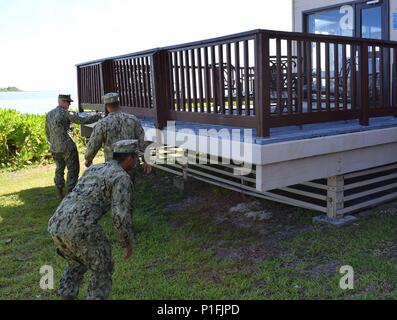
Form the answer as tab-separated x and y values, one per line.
386	250
23	257
155	263
171	273
186	203
325	269
257	240
253	253
391	210
211	276
392	252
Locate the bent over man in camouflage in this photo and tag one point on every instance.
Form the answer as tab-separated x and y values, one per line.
75	226
117	126
63	148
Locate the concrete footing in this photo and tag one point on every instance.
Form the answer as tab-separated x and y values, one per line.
336	222
179	183
184	186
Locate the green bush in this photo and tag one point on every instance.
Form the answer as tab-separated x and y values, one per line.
23	141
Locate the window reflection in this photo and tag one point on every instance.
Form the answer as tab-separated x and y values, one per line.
371	23
338	22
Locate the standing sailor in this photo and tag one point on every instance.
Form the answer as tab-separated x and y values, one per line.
63	149
117	126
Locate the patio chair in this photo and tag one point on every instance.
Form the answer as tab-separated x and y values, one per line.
332	88
227	87
274	95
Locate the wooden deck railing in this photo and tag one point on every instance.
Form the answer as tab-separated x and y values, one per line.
259	79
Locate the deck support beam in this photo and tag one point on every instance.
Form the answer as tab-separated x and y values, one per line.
335	196
182	182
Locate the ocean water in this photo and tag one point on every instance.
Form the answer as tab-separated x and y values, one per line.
35	102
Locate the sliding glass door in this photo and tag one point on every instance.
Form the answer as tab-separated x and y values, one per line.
372	20
360	19
372	23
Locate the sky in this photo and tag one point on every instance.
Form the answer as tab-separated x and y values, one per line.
42	40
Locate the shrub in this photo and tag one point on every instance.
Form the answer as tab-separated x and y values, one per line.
23	141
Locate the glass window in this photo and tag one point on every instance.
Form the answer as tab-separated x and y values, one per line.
338	22
372	23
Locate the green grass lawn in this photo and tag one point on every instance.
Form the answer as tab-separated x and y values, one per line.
191	247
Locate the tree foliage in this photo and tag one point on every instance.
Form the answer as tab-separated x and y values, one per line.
23	141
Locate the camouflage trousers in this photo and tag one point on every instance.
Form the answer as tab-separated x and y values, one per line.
69	160
132	173
93	254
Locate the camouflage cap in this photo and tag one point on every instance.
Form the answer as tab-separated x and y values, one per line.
65	97
126	146
111	98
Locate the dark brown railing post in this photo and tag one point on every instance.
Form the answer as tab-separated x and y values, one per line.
394	85
107	76
160	70
262	83
79	84
364	86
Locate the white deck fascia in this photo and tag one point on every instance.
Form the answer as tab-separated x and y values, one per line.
287	163
284	164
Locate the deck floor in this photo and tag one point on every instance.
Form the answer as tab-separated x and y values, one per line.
283	134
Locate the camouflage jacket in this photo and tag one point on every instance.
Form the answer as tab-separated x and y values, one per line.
57	127
115	127
102	188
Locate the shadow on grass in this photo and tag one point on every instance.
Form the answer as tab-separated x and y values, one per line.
25	245
27	206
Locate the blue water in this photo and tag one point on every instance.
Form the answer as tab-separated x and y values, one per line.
36	102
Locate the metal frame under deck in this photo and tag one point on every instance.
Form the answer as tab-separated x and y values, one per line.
335	196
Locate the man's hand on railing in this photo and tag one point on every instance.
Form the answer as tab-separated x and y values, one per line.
101	114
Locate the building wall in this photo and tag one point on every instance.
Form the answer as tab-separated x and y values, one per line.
299	6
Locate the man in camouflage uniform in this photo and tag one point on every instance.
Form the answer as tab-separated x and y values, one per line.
63	148
115	127
75	226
